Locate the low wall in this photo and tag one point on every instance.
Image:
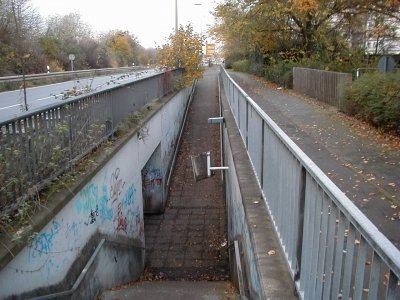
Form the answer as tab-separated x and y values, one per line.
266	274
106	204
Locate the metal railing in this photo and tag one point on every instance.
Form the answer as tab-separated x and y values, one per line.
39	146
84	271
68	74
332	250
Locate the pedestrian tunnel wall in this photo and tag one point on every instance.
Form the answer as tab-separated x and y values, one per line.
91	236
265	274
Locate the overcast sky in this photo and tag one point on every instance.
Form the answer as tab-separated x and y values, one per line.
150	20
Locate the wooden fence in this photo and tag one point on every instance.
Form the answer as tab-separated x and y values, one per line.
322	85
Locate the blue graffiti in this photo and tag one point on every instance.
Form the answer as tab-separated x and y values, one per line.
105	212
72	230
92	205
129	197
43	242
87	198
151	178
153	174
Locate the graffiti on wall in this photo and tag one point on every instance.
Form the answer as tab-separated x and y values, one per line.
43	242
109	204
116	185
151	177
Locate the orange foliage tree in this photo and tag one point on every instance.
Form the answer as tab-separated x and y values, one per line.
306	25
183	50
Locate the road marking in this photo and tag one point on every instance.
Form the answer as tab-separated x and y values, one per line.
126	77
10	106
52	96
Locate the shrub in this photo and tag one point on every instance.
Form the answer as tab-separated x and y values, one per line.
280	73
234	57
257	69
375	98
241	65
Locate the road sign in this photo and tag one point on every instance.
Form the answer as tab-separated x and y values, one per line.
210	49
386	64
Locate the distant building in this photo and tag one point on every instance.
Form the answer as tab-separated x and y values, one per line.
382	35
373	32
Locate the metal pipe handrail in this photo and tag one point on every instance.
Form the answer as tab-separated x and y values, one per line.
58	74
84	271
169	176
239	271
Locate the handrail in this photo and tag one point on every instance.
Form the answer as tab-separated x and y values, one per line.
180	134
57	74
83	273
239	270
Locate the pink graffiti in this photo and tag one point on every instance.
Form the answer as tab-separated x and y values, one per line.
122	224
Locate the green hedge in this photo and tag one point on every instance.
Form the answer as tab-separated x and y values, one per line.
241	65
375	98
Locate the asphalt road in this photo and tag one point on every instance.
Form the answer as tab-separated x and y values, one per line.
12	102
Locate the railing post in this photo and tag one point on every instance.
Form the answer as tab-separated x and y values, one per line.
71	144
300	223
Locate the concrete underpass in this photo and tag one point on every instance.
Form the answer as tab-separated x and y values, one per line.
186	246
134	225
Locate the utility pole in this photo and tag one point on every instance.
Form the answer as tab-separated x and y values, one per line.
16	8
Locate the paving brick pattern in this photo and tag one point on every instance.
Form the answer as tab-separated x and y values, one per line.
188	241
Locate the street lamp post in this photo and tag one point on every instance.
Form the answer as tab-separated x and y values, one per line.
201	20
176	16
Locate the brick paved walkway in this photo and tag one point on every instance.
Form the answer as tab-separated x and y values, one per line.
188	241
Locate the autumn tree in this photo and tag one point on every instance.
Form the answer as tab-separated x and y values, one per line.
19	30
118	48
308	26
64	35
146	56
183	50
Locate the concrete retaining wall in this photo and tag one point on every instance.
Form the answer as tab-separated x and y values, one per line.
266	275
109	204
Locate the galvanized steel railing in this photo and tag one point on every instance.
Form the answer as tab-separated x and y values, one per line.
68	74
332	249
39	146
